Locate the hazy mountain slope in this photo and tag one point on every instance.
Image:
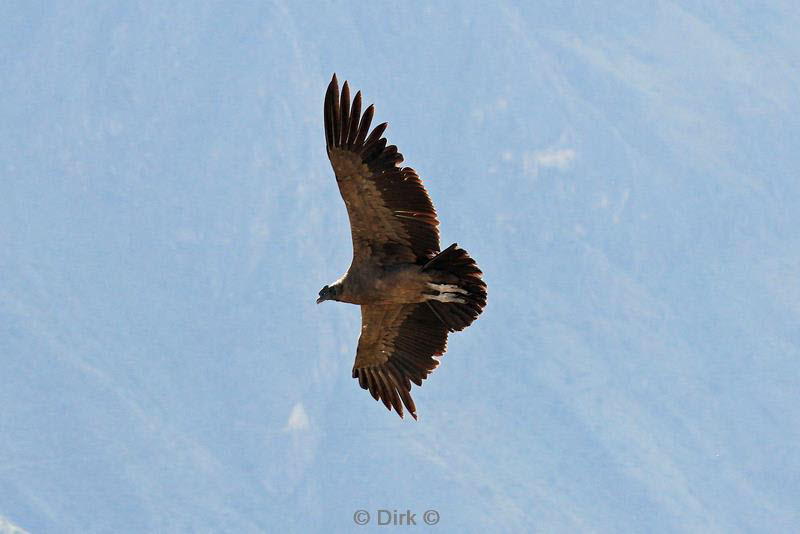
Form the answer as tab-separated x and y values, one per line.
626	178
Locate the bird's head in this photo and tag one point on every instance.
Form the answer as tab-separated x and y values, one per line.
329	293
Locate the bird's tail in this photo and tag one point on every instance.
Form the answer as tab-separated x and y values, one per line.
454	267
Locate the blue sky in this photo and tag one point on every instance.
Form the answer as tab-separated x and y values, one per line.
625	176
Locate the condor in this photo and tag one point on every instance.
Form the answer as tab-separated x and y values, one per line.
411	294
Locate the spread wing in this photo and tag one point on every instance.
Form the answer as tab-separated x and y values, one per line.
391	215
397	346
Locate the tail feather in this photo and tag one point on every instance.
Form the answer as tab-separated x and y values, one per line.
455	261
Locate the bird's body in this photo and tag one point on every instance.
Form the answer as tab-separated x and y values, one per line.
367	282
411	294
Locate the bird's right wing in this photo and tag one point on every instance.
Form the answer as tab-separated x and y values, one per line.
397	346
391	215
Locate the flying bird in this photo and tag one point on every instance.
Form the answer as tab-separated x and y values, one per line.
411	293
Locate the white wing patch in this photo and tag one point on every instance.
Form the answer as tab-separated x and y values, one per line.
446	293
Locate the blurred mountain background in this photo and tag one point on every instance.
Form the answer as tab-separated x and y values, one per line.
625	175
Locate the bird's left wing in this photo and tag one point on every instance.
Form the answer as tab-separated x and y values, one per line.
397	346
391	215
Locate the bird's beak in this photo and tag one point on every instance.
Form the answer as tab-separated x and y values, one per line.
321	299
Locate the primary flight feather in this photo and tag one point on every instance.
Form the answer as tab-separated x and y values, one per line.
411	294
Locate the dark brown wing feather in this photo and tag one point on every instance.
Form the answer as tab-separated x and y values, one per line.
391	215
397	347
